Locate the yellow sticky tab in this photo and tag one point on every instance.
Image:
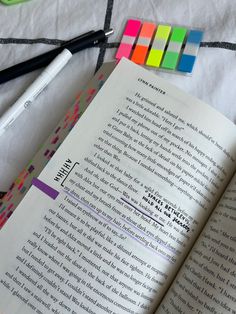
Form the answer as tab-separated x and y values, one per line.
154	58
158	46
163	31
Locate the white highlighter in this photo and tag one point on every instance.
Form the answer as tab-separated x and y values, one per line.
34	90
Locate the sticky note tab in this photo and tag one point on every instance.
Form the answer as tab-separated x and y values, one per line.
12	1
141	48
190	52
178	34
195	36
128	39
174	47
158	45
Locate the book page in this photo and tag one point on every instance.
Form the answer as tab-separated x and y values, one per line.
106	225
207	281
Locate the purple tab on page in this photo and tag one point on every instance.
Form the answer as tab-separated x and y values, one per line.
45	188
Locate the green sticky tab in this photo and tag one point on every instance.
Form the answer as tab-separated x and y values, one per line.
163	31
170	60
178	34
8	2
2	209
154	58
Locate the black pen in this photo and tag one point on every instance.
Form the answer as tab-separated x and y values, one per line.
84	41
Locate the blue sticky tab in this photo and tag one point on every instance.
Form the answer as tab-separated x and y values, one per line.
195	37
186	63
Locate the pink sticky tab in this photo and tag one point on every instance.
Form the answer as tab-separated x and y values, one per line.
128	39
124	51
132	28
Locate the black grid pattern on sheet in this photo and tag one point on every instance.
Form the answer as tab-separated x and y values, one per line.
107	24
58	42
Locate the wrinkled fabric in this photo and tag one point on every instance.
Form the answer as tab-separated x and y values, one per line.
213	79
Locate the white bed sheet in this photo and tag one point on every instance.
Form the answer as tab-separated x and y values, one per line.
213	80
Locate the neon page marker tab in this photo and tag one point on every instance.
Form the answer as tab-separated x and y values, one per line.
158	45
141	48
190	51
48	190
130	33
174	47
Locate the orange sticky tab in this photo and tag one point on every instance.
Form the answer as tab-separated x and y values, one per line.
143	42
139	54
147	30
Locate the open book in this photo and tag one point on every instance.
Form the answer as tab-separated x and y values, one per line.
133	214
